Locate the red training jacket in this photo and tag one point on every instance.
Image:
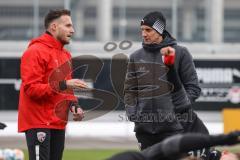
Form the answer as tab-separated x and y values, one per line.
41	104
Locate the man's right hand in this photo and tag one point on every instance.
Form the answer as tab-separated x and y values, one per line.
76	84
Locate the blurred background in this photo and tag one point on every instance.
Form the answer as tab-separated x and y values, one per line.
210	29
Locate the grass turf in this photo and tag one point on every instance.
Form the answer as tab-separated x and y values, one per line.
89	154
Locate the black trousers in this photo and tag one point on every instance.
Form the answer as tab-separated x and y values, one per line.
146	140
193	124
196	125
45	144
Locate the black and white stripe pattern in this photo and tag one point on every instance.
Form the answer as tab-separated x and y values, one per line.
159	26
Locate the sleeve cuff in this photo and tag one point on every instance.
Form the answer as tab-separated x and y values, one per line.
62	85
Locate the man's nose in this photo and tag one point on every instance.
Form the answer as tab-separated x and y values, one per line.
144	33
72	30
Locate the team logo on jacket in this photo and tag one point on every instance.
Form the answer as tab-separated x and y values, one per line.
41	136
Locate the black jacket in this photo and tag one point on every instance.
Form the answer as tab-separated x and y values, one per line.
150	99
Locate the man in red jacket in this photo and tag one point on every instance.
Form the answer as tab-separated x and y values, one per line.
46	89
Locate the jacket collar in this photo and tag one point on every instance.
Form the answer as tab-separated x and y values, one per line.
48	40
53	42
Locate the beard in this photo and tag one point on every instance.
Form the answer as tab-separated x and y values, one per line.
63	40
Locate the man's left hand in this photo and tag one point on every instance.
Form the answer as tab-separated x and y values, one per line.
168	54
78	113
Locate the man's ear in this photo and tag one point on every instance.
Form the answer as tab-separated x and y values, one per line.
53	26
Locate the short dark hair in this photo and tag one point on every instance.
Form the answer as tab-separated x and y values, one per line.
55	14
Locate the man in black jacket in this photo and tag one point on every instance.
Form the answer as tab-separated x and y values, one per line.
159	90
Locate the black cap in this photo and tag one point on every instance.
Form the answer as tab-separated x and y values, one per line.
155	20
